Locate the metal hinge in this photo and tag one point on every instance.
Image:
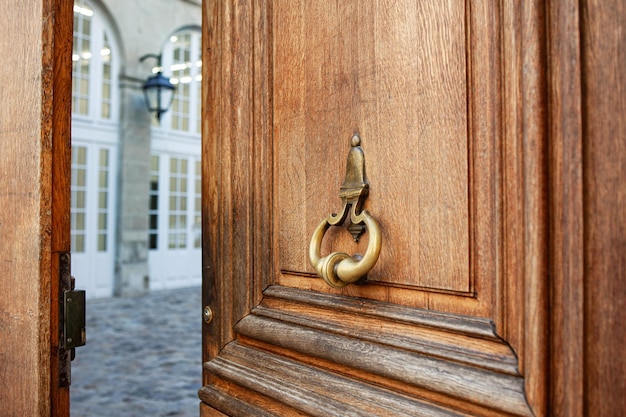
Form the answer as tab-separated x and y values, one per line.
72	319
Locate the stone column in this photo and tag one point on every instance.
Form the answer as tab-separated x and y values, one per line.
132	270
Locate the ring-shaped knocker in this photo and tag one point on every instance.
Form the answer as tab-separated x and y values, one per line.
339	269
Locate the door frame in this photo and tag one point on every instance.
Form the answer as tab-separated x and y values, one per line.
34	201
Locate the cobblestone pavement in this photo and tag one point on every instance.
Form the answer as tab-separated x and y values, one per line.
142	358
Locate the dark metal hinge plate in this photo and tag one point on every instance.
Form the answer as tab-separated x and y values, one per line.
71	319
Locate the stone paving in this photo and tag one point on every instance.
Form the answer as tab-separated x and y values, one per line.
142	358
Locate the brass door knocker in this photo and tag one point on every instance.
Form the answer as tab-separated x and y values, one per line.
339	269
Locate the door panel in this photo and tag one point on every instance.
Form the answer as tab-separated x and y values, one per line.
405	91
438	328
409	88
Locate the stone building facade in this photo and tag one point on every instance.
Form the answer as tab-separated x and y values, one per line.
135	181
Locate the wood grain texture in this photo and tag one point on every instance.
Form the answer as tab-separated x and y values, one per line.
237	164
312	391
481	120
604	166
34	212
400	80
471	370
206	411
566	210
228	404
506	199
525	285
545	170
211	268
60	187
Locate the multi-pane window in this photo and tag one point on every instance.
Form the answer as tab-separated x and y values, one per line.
107	79
93	70
153	233
81	58
81	209
103	199
183	64
181	76
199	101
177	212
79	198
197	222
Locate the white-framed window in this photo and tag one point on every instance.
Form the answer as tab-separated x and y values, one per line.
175	202
197	211
92	213
104	174
175	239
79	198
94	65
174	235
182	63
177	208
153	210
95	136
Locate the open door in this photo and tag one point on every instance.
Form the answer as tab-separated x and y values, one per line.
493	139
451	319
36	45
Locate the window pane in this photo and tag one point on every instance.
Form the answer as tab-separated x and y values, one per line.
78	243
102	200
102	243
83	106
80	178
86	27
103	179
172	241
78	221
154	202
102	221
81	155
80	199
153	241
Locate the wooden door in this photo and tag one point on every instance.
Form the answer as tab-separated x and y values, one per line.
36	45
513	305
451	318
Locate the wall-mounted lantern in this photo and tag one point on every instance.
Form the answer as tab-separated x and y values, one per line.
158	90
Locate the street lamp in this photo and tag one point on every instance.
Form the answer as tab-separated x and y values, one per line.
158	90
